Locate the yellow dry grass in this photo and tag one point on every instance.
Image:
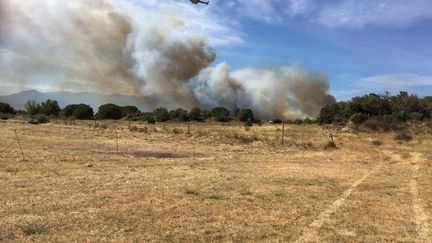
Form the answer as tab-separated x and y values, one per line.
218	183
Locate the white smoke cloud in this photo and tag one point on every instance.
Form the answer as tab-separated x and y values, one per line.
282	92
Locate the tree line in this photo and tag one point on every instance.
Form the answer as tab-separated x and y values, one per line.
378	111
51	108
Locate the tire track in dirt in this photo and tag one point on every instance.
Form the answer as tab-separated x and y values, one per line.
421	218
311	233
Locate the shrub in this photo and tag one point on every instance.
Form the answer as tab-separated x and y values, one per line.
33	229
330	145
143	130
246	115
221	114
196	114
400	108
151	120
83	112
276	121
403	136
6	109
80	111
333	113
39	119
130	111
32	107
109	111
161	114
216	196
358	118
4	117
249	123
372	124
182	115
133	129
177	131
42	119
377	142
50	108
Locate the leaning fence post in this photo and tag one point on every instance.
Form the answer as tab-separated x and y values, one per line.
19	144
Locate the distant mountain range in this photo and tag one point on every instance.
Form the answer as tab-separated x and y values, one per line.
18	100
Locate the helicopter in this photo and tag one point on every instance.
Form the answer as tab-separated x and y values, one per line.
199	1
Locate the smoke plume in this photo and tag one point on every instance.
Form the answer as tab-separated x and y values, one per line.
101	45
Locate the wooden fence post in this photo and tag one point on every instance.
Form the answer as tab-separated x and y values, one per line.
283	133
19	144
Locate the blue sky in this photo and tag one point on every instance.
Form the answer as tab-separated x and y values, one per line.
362	46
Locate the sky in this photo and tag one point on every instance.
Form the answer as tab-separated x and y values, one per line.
361	46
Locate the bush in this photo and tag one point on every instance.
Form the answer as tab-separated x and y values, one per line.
80	112
6	109
151	120
249	123
221	114
50	108
403	136
358	118
196	114
130	111
32	107
39	119
372	124
330	145
34	229
161	114
42	119
276	121
109	111
246	115
182	115
377	142
391	111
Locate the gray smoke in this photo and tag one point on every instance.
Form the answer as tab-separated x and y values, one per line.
99	45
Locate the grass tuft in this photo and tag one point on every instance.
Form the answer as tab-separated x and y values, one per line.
191	192
34	229
403	136
216	196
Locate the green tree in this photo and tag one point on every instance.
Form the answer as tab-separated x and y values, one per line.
32	107
50	108
78	111
246	115
196	114
161	114
6	108
221	114
109	111
130	111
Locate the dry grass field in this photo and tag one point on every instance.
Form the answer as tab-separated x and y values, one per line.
218	183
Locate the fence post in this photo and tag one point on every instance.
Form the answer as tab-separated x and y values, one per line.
117	144
283	133
19	144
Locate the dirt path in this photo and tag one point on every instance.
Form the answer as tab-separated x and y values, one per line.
311	233
421	218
